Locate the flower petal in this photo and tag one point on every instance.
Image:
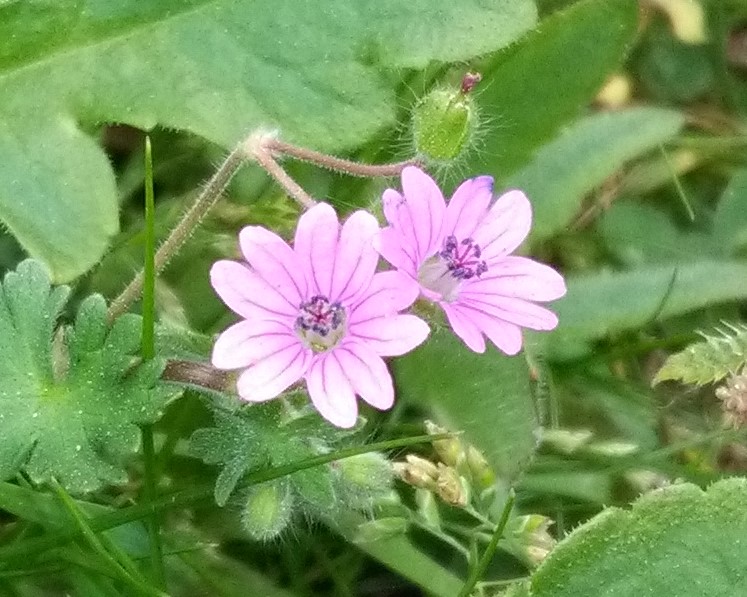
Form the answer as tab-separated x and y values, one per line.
426	206
331	391
356	259
517	277
269	377
506	225
513	310
247	342
467	207
272	258
316	246
506	336
368	374
387	243
392	335
464	327
388	293
248	294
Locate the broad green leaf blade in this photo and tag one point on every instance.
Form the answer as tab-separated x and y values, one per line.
70	405
565	170
600	304
486	395
544	80
674	542
730	220
638	233
216	68
57	192
398	553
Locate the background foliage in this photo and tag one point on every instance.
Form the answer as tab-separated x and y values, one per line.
623	120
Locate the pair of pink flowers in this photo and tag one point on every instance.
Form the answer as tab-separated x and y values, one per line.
320	311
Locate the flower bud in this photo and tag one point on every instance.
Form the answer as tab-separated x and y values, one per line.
482	475
734	401
532	538
450	487
364	479
267	510
382	528
443	121
449	450
417	472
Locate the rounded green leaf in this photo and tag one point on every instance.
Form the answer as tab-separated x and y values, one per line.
215	68
676	542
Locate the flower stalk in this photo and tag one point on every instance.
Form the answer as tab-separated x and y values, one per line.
260	147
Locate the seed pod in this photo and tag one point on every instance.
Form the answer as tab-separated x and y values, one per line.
444	121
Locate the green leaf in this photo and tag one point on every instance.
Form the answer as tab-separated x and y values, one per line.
730	220
601	304
398	553
252	436
72	404
314	71
708	361
565	170
673	542
486	395
46	510
545	79
638	233
233	443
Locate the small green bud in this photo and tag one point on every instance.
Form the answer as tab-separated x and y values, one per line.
383	528
532	538
482	474
443	121
364	479
449	450
267	510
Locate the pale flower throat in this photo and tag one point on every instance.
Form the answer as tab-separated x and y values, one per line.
320	324
457	261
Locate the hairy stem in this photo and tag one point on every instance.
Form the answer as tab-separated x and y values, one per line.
263	157
182	231
338	164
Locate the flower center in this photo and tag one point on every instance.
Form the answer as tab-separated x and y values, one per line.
457	261
320	324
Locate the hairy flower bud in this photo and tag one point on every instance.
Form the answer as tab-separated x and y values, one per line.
267	510
443	121
364	479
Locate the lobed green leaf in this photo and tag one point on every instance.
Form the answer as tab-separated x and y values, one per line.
70	404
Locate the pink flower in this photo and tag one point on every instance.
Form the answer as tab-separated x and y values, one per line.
317	311
460	256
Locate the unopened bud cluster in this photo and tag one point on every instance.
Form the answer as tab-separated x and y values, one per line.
461	472
734	400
